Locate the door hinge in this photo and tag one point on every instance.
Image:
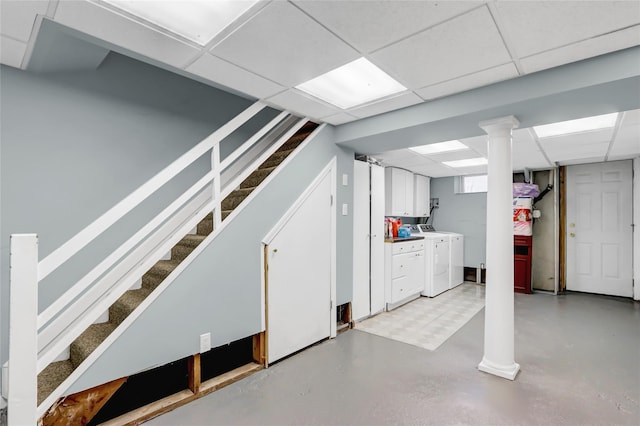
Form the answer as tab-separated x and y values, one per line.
331	199
330	304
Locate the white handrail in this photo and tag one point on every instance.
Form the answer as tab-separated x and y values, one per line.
62	301
88	234
236	181
253	139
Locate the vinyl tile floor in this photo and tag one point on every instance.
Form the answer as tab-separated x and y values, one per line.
580	365
428	322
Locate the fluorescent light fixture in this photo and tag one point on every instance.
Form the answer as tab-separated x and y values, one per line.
469	162
435	148
353	84
576	126
198	21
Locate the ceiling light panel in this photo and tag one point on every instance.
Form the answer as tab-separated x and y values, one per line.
469	162
353	84
577	126
198	21
434	148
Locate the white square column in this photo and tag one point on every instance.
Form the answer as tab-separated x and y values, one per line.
498	317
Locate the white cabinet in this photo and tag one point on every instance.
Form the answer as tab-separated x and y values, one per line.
404	271
398	192
421	195
368	240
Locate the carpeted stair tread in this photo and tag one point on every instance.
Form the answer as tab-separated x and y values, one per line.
205	227
126	304
158	273
226	213
88	341
186	246
51	377
275	159
256	178
236	197
294	141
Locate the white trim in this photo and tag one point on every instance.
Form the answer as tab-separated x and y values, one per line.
84	237
636	230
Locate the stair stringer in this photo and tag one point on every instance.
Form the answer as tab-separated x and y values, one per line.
113	358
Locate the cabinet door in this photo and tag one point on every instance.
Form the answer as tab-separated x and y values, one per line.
399	289
408	193
394	184
421	196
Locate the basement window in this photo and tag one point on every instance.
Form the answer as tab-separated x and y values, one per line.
470	184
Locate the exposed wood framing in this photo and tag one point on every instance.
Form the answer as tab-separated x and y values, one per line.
563	229
176	400
81	407
194	373
259	355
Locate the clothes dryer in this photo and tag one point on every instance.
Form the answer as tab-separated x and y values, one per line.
437	270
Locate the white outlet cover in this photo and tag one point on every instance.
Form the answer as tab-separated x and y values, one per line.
345	209
345	179
205	342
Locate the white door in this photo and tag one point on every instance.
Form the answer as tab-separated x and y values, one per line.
599	231
299	276
360	303
377	239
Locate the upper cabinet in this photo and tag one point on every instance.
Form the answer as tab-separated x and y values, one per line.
421	195
398	185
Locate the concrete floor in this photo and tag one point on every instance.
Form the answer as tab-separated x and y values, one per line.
579	357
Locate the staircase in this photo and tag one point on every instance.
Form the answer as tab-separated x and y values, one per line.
55	373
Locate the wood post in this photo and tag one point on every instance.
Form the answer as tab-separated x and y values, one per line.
195	377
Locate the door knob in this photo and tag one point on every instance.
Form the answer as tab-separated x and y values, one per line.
275	250
572	234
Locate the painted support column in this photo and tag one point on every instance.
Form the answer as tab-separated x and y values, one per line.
23	330
498	323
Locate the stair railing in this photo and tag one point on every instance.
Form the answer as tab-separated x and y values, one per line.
35	340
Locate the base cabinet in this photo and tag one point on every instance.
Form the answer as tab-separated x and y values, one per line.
404	271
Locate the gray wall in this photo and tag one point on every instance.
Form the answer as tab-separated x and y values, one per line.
220	291
462	213
75	143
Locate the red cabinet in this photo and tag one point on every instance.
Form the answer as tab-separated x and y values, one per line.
521	264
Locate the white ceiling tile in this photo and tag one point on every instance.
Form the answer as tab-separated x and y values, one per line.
284	45
114	28
11	51
17	17
468	82
434	170
454	155
461	46
390	104
298	102
582	50
222	72
398	155
627	141
380	23
536	26
340	118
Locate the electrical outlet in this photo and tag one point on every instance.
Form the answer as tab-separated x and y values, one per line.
205	342
435	202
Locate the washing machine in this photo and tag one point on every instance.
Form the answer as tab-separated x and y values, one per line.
436	256
456	258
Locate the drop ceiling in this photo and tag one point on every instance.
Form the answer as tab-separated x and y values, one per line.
434	48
